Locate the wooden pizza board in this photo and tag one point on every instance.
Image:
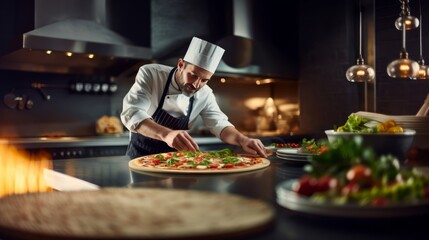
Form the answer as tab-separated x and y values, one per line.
120	213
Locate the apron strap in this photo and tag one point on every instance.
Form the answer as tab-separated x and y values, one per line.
164	93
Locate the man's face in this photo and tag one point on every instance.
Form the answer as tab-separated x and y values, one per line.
192	78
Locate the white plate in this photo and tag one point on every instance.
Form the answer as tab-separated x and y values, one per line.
292	155
297	157
288	150
291	200
293	159
276	149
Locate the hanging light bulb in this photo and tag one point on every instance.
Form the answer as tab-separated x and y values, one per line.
423	69
405	18
403	67
360	72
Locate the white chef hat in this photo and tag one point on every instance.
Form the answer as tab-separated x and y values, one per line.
204	54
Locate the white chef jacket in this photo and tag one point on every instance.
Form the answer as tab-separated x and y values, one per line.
143	98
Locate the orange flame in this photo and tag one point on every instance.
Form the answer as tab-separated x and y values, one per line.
21	171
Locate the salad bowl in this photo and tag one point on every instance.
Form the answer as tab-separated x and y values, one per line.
396	144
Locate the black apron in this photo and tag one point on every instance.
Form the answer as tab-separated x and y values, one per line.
140	145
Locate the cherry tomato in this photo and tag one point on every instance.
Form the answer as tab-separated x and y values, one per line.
326	183
359	173
322	149
306	186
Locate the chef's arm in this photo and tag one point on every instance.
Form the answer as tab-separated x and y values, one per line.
178	139
232	136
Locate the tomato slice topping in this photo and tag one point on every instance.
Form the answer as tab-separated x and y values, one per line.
229	165
213	165
155	161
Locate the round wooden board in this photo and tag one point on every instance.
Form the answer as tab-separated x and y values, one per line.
120	213
137	168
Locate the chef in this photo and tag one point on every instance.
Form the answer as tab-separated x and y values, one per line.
164	102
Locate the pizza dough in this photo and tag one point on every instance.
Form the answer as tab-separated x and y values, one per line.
120	213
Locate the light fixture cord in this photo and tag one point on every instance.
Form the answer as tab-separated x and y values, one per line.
403	38
421	27
360	30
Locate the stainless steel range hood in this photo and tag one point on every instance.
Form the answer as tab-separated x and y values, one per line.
242	27
88	29
83	36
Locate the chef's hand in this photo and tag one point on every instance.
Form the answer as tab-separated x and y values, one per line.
181	140
253	146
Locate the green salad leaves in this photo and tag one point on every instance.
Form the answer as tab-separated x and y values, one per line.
350	172
356	123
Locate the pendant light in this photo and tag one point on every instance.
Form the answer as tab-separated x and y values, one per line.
360	72
423	69
403	67
405	18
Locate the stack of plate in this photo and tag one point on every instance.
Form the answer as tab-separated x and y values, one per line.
292	154
418	123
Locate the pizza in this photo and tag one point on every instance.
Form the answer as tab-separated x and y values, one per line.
199	162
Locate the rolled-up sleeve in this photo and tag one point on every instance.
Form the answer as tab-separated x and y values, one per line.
213	118
137	101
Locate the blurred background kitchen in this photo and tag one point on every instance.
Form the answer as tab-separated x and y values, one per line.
65	64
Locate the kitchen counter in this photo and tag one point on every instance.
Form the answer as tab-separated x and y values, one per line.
259	184
96	141
113	145
122	139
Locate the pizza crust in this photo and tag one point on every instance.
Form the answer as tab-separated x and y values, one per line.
134	166
132	213
145	164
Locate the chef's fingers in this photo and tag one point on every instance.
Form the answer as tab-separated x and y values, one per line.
255	146
185	142
259	147
261	151
179	145
193	143
190	143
